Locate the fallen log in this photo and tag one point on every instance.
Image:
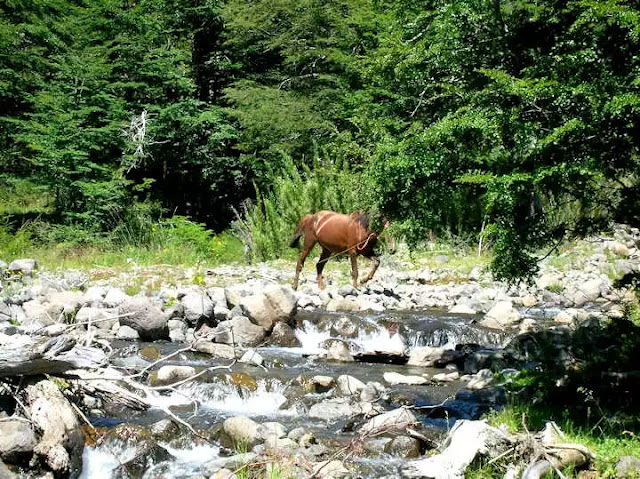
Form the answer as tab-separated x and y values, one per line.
54	356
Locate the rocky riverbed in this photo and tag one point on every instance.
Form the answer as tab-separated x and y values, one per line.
208	373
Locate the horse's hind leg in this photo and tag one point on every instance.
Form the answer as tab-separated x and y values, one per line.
376	262
324	257
354	270
308	246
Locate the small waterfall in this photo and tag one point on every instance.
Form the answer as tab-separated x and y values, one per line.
222	396
310	338
101	461
381	340
449	334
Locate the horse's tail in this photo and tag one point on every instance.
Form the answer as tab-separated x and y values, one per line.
300	231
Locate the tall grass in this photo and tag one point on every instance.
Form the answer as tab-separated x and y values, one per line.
266	226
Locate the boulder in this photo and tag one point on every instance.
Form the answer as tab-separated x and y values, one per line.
215	349
17	441
26	267
171	374
147	454
395	420
128	333
589	291
271	429
403	446
348	385
251	356
337	350
239	432
61	438
283	335
94	295
282	302
100	318
144	317
343	304
257	310
197	306
501	315
426	356
627	467
481	380
396	378
233	294
114	297
239	331
333	409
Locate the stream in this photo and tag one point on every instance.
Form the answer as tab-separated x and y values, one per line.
279	391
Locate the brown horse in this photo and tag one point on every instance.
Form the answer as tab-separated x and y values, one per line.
337	234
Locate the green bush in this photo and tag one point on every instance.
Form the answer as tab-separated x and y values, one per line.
13	244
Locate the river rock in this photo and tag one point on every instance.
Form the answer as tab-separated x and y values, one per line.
238	432
329	470
501	315
396	378
529	301
26	267
323	383
282	302
333	409
36	314
218	350
114	297
481	380
403	446
462	308
348	385
342	304
256	309
589	291
164	429
147	454
618	248
62	440
234	294
337	350
128	333
268	429
240	331
395	420
94	295
100	318
549	280
17	441
283	335
279	445
251	356
197	306
5	472
171	374
146	318
426	356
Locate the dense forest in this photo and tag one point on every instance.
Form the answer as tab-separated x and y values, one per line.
515	119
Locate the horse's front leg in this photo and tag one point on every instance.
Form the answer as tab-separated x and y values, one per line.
376	262
354	270
324	257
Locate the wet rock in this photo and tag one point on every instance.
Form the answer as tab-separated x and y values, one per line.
172	374
283	335
197	306
348	385
323	383
403	446
127	332
425	357
333	409
215	349
251	356
239	431
627	467
395	420
501	315
177	325
146	318
372	392
483	398
243	380
25	267
164	430
344	327
100	318
337	351
147	454
396	378
446	377
481	380
17	441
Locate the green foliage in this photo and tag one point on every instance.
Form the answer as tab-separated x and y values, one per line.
266	226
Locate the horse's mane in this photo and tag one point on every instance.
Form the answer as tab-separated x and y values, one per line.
361	218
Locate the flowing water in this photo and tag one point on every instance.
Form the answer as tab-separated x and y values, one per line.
275	393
